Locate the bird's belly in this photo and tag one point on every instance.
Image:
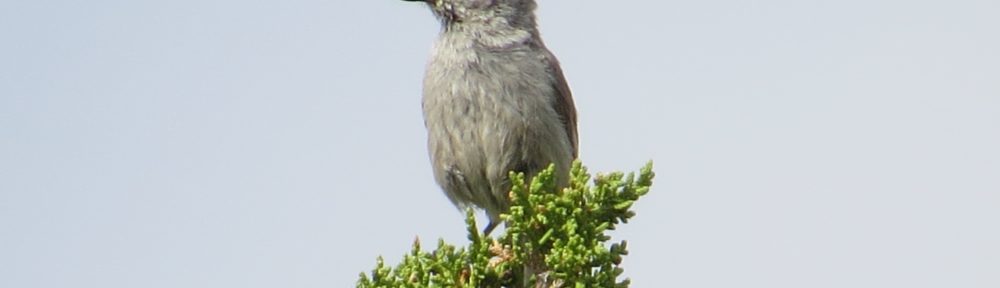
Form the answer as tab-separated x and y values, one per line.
483	124
474	142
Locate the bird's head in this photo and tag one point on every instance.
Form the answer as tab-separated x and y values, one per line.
515	13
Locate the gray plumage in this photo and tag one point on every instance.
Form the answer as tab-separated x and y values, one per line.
494	101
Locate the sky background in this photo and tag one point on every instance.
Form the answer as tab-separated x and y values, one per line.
220	143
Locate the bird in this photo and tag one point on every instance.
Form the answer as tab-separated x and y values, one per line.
495	100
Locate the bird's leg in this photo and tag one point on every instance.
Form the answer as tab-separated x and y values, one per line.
489	227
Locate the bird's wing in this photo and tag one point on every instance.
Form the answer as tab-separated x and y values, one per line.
564	101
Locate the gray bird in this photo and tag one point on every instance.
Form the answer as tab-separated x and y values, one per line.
494	101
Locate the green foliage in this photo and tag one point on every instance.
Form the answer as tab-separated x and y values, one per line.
553	239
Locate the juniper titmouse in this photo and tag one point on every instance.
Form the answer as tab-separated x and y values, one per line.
494	101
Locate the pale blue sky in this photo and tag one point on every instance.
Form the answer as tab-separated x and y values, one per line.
220	143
